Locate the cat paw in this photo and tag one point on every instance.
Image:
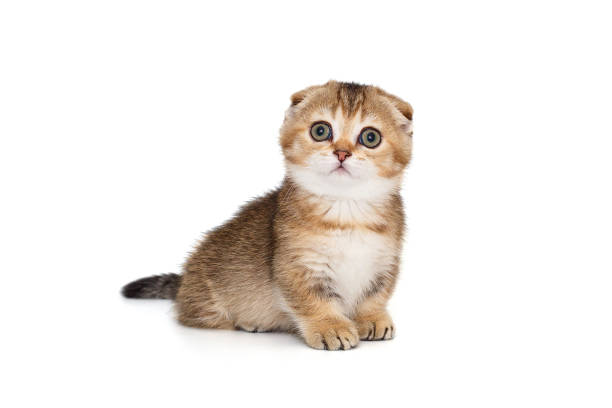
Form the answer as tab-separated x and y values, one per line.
332	336
376	328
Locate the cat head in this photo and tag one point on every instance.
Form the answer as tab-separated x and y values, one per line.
346	140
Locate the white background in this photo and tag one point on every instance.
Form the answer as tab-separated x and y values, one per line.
130	127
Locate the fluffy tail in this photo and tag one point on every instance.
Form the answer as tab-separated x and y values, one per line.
153	287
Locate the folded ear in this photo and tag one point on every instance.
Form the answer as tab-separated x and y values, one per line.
404	107
299	96
401	105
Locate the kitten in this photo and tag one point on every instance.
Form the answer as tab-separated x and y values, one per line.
319	255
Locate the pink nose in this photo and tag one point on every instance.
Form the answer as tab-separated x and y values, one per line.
342	155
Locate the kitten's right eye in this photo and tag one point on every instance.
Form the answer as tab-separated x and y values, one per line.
321	131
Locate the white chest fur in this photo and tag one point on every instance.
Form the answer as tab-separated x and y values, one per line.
352	259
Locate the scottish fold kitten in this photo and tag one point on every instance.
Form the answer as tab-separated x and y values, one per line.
320	254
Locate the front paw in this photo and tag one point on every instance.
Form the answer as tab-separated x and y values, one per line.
331	335
376	327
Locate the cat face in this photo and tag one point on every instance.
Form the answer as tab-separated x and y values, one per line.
346	140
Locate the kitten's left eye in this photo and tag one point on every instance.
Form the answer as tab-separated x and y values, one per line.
321	131
370	138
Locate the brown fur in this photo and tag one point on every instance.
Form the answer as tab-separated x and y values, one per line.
255	272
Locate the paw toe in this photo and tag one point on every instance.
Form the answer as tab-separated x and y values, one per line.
338	338
376	330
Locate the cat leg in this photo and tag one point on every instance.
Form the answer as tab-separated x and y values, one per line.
317	312
196	306
203	318
324	327
372	319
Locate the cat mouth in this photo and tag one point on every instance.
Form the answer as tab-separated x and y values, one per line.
341	170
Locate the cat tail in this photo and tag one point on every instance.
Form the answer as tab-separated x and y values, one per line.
153	287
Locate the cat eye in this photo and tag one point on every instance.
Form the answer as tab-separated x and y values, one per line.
321	131
370	138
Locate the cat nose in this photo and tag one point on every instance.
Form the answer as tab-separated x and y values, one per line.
342	154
